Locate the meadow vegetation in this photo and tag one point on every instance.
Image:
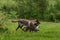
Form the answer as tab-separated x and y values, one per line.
46	11
47	31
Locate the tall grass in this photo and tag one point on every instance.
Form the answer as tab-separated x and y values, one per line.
47	31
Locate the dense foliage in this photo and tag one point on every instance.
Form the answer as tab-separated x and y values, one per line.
46	10
41	9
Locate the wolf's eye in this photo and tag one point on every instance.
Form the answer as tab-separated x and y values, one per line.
36	24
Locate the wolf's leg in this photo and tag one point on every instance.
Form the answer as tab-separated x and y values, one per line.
25	29
19	26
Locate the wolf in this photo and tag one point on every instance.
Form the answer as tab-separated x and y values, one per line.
31	25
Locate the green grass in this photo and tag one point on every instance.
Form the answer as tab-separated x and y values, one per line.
47	31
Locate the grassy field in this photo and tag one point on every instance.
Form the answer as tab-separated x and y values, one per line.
47	31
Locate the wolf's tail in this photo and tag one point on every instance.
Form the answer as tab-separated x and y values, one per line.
14	20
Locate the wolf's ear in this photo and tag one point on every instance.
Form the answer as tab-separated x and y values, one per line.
37	21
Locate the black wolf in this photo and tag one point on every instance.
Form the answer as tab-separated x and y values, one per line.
31	25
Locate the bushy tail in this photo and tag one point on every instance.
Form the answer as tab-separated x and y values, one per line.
14	20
